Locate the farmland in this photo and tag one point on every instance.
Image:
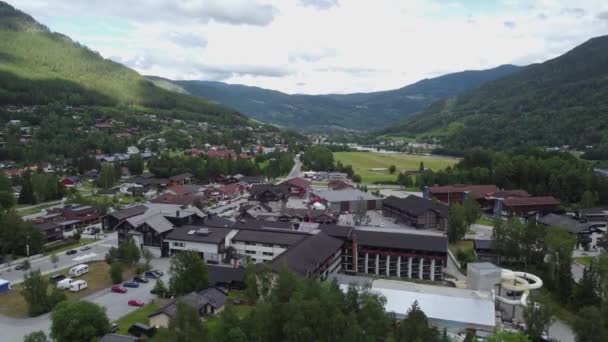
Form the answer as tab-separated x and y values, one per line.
362	162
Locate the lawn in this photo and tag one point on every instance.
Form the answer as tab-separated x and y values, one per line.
35	210
13	304
465	245
485	220
585	261
362	162
138	316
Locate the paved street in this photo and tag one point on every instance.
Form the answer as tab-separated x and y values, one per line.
115	304
97	252
296	171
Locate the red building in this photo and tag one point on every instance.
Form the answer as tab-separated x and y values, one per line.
457	193
298	187
525	206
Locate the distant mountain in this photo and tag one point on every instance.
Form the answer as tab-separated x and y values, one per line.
41	67
561	101
360	111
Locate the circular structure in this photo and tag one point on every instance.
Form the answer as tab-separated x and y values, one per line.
520	282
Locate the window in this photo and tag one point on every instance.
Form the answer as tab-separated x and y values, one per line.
250	252
179	244
250	243
267	245
268	253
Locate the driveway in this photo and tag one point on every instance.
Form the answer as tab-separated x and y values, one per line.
13	330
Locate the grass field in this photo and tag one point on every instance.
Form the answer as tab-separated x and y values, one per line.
138	316
362	162
13	304
585	260
465	245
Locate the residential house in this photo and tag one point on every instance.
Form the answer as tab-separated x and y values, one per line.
457	193
210	301
338	185
220	154
181	179
525	206
264	245
51	231
209	242
416	212
274	196
71	181
298	187
587	233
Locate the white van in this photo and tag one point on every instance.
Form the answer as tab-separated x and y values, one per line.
79	270
65	283
78	285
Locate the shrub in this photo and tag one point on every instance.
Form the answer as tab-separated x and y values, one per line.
116	273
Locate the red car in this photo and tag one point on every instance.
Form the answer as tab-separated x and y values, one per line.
134	302
119	289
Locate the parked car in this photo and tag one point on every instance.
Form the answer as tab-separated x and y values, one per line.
118	289
56	278
114	327
71	251
140	279
135	302
21	266
151	275
159	273
139	329
85	248
131	284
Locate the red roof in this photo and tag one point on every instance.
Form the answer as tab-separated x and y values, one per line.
180	190
477	190
220	153
298	183
530	201
510	193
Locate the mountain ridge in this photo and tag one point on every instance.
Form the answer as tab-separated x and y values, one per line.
340	111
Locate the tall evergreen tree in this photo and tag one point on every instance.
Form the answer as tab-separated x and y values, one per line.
26	196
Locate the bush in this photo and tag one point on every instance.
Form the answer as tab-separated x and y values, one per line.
116	273
356	178
160	289
465	257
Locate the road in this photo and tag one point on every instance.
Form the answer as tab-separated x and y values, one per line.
97	252
40	205
296	171
13	330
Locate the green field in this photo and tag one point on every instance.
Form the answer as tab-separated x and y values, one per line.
362	162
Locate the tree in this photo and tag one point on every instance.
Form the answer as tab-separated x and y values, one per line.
186	326
472	211
26	196
588	199
285	285
507	336
34	290
392	169
7	199
36	336
54	259
135	164
116	272
356	178
251	283
130	251
538	318
107	176
499	237
456	223
415	327
78	321
188	273
148	256
559	244
160	289
586	293
589	325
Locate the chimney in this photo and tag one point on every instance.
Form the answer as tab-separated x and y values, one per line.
177	213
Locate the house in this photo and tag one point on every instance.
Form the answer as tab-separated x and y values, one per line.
232	278
210	301
416	212
347	200
71	181
225	191
220	154
330	176
298	187
274	196
181	194
51	231
83	214
525	206
184	178
457	193
132	150
587	233
209	242
594	215
264	245
250	180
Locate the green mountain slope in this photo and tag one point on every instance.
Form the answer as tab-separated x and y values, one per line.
561	101
361	111
39	67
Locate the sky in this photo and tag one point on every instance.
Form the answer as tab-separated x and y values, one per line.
322	46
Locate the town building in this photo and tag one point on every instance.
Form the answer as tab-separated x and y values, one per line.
348	200
416	212
210	301
298	187
457	193
525	206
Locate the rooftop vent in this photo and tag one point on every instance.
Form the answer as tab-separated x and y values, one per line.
203	231
191	232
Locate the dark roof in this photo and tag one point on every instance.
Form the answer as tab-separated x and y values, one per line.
566	222
150	181
297	182
270	237
398	240
129	212
593	211
336	231
222	274
211	295
194	234
218	222
416	206
477	190
46	226
510	193
261	224
118	338
338	185
305	257
181	177
253	179
281	191
483	244
528	201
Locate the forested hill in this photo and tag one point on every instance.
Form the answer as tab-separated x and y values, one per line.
41	67
561	101
361	111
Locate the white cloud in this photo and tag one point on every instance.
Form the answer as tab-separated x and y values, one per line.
326	46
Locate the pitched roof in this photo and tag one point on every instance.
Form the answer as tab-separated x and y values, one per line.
398	240
477	190
211	295
195	234
416	205
297	182
253	179
181	177
222	274
334	230
306	256
122	214
345	195
483	244
510	193
269	237
46	226
566	222
159	223
338	185
281	191
525	201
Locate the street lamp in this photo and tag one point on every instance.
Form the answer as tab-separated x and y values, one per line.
27	246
